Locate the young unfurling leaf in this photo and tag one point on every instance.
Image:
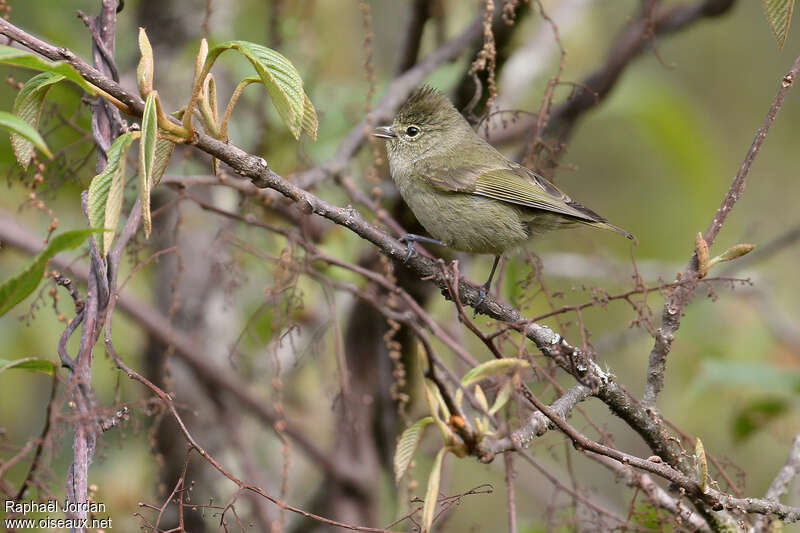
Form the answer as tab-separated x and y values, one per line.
144	72
282	81
105	190
432	491
28	106
407	445
147	152
779	15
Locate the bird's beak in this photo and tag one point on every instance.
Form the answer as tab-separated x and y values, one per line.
384	132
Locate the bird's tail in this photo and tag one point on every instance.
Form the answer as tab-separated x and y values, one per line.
612	227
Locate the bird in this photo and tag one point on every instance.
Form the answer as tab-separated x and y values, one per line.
465	193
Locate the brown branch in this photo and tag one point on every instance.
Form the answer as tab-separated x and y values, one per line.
538	423
680	297
712	498
552	345
566	356
105	127
510	497
655	493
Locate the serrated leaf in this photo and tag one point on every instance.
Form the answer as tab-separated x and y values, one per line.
106	190
32	364
779	16
432	491
164	148
503	396
407	445
495	367
23	58
310	123
14	290
28	106
17	126
282	81
144	71
147	153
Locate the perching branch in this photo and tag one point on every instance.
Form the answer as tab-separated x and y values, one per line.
573	360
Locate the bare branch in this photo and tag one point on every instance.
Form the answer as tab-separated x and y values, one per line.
680	297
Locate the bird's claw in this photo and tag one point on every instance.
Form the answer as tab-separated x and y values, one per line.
410	247
481	297
411	238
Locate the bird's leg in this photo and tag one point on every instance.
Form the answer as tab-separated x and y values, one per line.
486	286
411	238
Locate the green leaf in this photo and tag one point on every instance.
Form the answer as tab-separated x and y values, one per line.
105	190
407	445
147	153
503	396
779	15
23	58
18	126
283	82
432	492
495	367
28	106
310	123
31	364
164	148
14	290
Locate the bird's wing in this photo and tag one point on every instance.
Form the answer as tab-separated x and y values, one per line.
513	184
518	185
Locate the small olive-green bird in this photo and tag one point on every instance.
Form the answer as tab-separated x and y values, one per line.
464	192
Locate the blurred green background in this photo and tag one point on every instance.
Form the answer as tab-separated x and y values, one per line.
656	157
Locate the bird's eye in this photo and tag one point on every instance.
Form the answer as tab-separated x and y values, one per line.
412	131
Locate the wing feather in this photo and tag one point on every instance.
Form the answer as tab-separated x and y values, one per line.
517	185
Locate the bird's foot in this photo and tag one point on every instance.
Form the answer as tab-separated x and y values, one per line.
483	292
411	238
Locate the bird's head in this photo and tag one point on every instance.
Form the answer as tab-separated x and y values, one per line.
424	125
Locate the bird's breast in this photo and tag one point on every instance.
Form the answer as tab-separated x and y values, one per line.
464	221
